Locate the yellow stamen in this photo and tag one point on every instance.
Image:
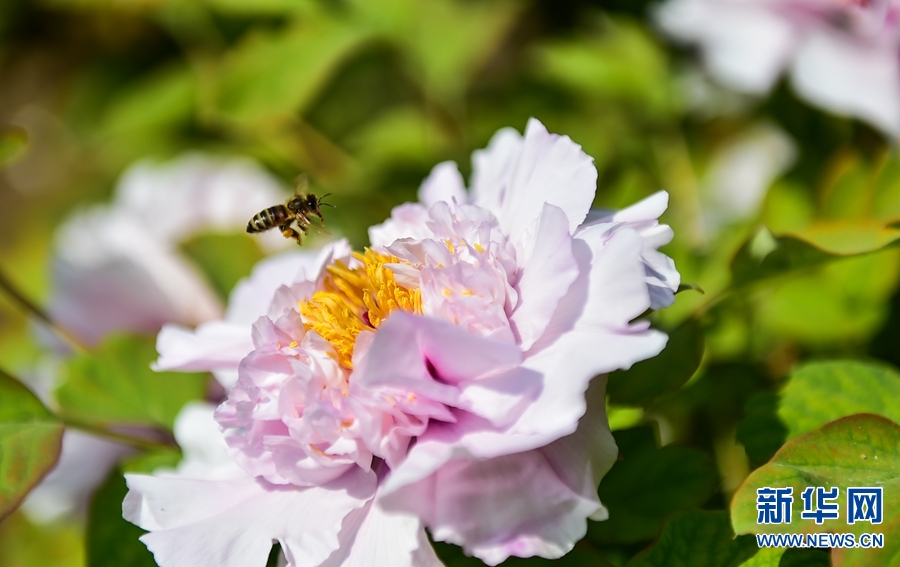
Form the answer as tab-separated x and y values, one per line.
479	247
356	299
450	246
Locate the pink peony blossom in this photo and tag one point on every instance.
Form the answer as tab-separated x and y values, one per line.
842	54
439	379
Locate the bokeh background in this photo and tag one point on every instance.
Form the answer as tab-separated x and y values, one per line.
365	97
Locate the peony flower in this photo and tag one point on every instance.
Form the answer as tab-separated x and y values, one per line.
842	54
438	379
117	268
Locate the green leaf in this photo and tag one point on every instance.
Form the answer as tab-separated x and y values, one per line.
621	61
224	258
842	302
30	441
149	461
820	392
697	539
662	374
271	76
258	7
24	544
788	557
647	484
859	450
158	99
115	385
12	142
112	541
762	432
766	255
444	42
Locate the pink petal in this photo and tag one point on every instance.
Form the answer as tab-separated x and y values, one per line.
114	297
531	503
407	221
444	183
216	345
404	343
232	523
850	77
252	295
513	505
544	168
660	274
370	537
548	269
745	44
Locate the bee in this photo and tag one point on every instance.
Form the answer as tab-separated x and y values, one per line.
298	208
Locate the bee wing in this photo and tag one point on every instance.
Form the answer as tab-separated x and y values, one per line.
320	228
301	185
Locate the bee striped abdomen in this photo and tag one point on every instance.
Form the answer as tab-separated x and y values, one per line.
268	218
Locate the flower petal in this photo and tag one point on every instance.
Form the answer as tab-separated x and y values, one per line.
444	183
848	76
661	276
544	168
745	44
370	536
252	296
548	269
530	503
213	346
407	221
232	523
512	505
405	344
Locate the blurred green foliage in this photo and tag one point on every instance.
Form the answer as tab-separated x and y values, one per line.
366	97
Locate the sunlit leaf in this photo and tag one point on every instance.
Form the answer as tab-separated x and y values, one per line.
111	540
840	302
766	255
404	134
663	373
445	42
820	392
115	385
619	62
647	484
272	75
30	441
861	450
158	99
697	539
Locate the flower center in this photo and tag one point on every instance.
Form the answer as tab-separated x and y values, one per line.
356	299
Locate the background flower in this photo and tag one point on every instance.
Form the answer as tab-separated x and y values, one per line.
841	55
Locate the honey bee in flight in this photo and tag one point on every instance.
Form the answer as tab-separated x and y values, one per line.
298	208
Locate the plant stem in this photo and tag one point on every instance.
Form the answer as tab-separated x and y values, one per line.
33	308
